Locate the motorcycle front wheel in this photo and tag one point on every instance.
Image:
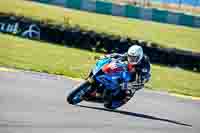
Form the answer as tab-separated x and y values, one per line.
76	96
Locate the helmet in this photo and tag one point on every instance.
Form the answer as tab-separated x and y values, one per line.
135	54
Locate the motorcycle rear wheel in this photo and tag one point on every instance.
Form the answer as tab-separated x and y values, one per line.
109	99
107	95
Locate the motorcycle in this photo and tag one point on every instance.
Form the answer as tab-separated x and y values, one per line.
103	83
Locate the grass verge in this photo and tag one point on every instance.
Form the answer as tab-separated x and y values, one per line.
163	34
43	57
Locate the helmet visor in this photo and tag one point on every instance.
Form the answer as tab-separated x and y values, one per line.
133	59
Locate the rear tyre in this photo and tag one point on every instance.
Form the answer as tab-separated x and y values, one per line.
113	102
76	96
107	95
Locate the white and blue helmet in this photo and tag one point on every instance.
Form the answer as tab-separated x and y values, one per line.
135	54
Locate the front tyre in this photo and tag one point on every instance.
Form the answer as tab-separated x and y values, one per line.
76	96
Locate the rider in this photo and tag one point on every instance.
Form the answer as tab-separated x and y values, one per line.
136	62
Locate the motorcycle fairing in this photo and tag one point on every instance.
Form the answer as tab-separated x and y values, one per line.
113	73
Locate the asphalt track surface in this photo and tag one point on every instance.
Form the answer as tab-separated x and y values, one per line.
35	103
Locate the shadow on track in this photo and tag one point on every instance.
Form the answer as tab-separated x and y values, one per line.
136	115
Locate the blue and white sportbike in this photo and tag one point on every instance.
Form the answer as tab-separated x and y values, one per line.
106	83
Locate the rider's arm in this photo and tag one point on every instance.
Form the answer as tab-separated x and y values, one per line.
144	76
145	71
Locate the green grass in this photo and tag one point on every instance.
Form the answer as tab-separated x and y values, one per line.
32	55
37	56
164	34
